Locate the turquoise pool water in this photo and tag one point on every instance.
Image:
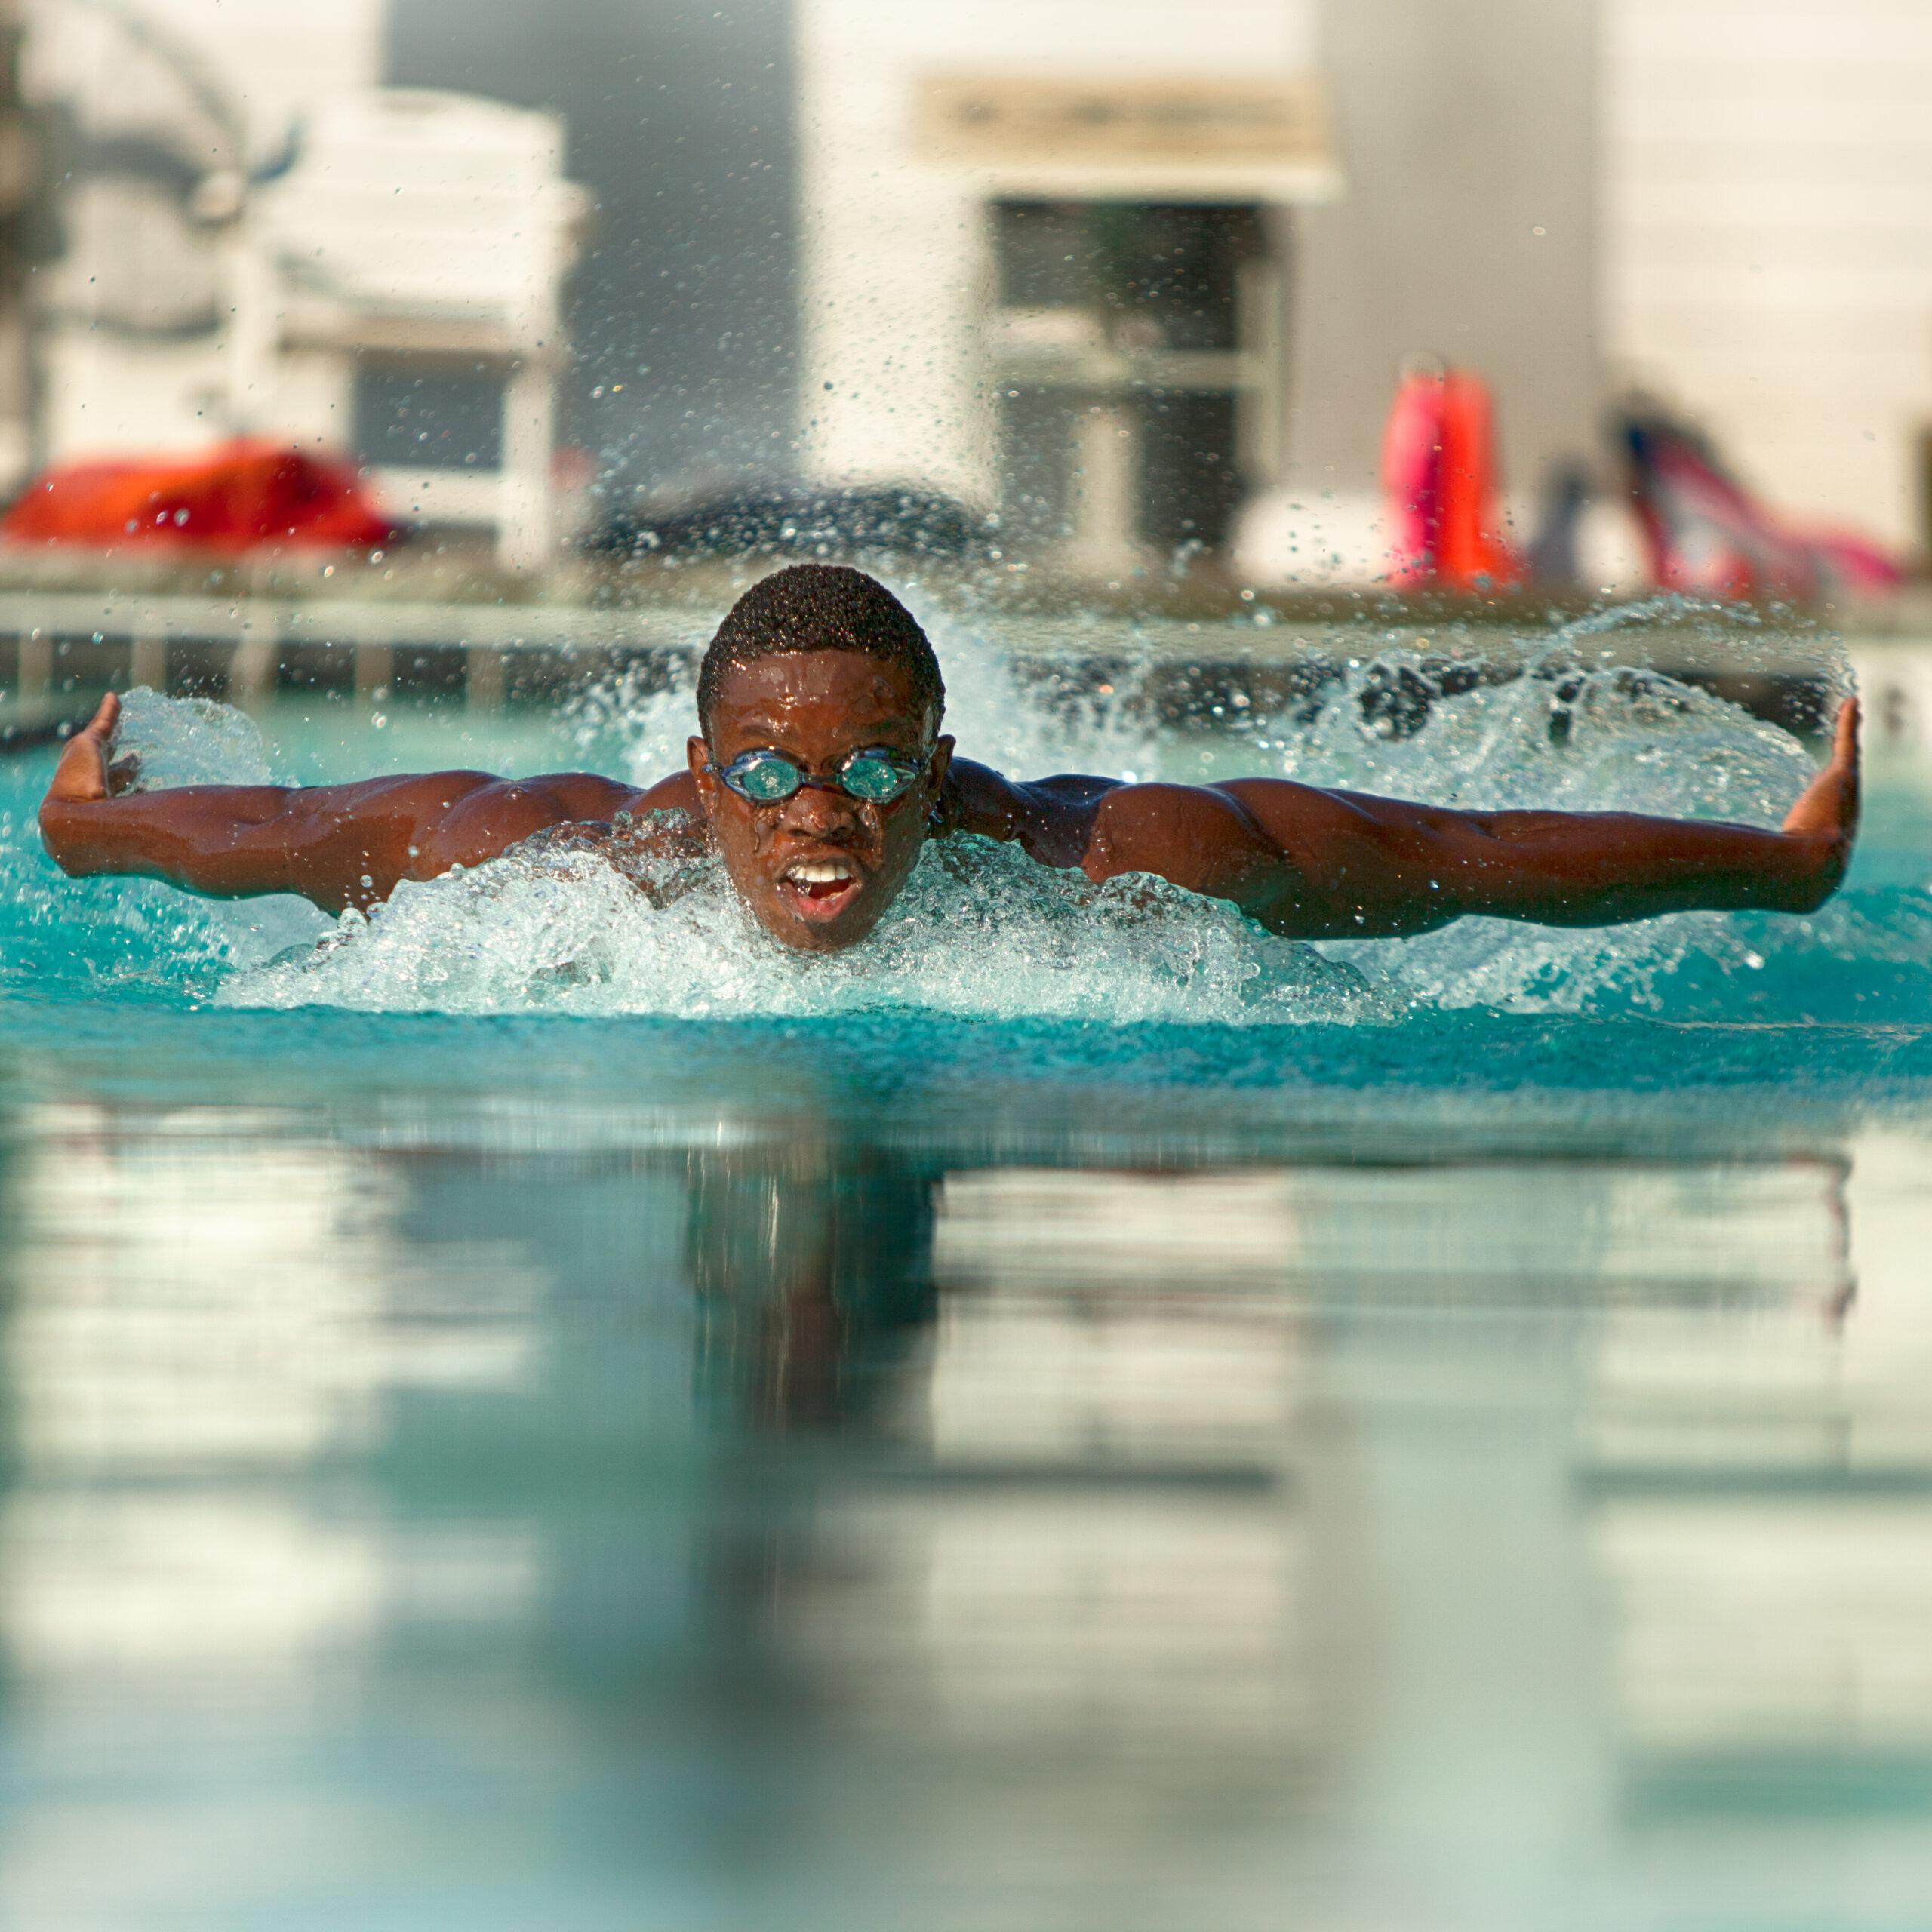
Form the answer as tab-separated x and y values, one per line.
539	1413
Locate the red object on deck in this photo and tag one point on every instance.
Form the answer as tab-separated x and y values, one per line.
1438	475
244	496
1411	475
1707	535
1469	556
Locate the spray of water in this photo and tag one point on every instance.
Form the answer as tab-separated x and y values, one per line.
559	925
562	927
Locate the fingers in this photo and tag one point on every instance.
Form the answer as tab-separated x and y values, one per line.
124	773
1828	807
82	774
1844	755
1844	737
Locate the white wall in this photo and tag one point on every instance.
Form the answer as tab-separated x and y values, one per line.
893	272
1466	131
1767	223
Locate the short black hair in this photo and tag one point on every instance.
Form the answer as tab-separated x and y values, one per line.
821	606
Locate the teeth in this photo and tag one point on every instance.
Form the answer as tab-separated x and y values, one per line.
821	872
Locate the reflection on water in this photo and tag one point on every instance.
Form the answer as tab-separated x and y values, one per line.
468	1530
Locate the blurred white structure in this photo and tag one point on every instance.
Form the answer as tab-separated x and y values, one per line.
1041	261
261	240
171	105
421	239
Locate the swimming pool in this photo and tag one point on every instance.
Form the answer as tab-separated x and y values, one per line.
538	1412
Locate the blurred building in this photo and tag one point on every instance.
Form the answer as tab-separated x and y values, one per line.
259	239
410	265
1140	274
1046	256
1143	274
683	308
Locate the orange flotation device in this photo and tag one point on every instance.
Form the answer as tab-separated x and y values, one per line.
243	496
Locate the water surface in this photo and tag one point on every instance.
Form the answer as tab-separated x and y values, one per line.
1088	1416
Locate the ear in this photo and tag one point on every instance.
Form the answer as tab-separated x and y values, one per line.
938	787
697	759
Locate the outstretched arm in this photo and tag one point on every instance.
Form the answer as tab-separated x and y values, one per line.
339	845
1317	864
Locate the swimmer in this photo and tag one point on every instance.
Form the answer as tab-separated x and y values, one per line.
819	772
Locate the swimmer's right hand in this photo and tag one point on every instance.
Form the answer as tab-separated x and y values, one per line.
84	774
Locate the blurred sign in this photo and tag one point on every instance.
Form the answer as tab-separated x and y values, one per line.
1008	120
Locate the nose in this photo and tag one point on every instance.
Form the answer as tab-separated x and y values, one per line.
816	809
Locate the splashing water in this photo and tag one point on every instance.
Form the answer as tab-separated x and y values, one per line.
135	938
190	741
639	729
564	928
1568	740
982	930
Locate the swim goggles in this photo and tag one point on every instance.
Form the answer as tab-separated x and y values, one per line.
874	776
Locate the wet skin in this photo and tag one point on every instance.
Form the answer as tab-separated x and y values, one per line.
818	870
817	708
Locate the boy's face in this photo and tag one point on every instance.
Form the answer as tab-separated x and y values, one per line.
818	869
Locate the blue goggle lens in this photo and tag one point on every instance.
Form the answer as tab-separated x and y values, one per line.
876	777
763	779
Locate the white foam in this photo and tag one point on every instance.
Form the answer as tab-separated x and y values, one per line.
980	931
195	741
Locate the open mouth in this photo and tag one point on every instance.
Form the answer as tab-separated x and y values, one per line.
820	888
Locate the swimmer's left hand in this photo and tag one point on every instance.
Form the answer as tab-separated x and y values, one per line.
1826	816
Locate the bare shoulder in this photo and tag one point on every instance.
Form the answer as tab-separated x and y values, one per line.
578	795
1295	821
1182	832
1287	799
677	793
467	817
